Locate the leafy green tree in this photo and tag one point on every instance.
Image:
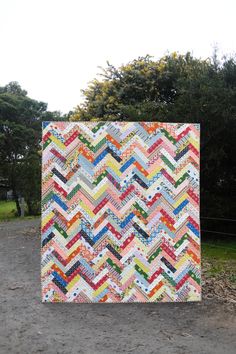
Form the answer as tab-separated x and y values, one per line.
177	88
20	136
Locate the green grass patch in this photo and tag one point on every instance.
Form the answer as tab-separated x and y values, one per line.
219	249
7	210
221	255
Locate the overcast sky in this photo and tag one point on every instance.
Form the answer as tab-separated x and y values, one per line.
53	47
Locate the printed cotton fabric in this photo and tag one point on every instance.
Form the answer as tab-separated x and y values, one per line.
120	212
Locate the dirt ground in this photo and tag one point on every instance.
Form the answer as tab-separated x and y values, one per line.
28	326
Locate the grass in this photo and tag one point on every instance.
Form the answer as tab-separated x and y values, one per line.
221	254
219	249
8	211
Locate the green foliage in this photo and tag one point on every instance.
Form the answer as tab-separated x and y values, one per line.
20	136
177	88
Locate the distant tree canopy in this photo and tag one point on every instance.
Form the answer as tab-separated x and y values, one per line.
20	136
177	88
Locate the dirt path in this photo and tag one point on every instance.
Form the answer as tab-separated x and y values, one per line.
28	326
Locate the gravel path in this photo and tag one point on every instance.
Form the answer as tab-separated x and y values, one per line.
28	326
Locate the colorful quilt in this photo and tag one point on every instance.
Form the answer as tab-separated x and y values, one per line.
120	212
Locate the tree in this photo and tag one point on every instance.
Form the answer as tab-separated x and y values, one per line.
20	124
176	88
20	136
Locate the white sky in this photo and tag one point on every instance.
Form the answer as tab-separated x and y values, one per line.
53	47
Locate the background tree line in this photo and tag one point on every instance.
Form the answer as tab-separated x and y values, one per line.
178	88
20	152
175	88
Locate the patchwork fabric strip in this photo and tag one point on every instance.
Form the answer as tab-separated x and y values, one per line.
120	212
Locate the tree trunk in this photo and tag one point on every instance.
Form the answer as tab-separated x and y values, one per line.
29	207
16	199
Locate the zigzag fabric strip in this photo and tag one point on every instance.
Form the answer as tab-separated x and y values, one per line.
120	212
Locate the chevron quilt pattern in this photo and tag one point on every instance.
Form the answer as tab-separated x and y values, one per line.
120	212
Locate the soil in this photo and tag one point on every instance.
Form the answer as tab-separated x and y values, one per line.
29	326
